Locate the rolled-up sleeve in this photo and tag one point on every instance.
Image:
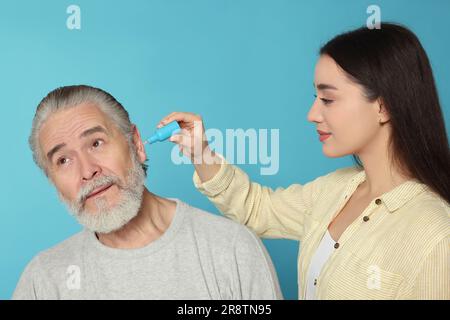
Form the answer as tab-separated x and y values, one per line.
279	213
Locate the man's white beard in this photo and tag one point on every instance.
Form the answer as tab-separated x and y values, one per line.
106	220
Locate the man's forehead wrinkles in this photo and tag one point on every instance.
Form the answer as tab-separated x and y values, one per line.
71	127
64	131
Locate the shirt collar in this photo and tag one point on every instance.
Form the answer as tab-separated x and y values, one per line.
398	196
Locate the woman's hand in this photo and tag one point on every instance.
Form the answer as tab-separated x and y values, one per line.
191	140
193	144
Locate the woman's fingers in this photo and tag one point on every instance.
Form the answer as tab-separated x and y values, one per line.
186	117
181	139
191	138
164	120
180	135
176	138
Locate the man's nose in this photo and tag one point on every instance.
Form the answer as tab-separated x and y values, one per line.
89	168
315	114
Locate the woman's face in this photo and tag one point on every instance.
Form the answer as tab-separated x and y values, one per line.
347	121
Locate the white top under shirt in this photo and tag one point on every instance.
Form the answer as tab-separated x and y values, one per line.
323	252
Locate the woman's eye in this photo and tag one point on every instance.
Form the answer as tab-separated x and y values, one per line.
326	101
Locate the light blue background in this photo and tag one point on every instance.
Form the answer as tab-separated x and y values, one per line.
240	64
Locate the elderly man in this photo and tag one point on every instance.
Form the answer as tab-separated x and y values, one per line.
135	244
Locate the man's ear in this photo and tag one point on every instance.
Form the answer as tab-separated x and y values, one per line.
382	112
137	141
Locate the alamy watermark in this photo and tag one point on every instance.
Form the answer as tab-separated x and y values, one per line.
374	20
73	281
238	146
374	278
73	21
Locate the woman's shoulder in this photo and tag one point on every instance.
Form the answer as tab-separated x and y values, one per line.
342	175
430	206
425	216
347	172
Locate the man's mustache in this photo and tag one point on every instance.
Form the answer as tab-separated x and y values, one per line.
99	182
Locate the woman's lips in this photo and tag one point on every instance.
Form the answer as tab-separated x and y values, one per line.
99	191
323	135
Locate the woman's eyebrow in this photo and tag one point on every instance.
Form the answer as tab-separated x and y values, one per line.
324	86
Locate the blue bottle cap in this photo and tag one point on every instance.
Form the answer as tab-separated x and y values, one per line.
165	132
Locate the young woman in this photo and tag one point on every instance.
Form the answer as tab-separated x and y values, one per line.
379	230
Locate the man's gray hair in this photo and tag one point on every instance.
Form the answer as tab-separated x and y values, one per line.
72	96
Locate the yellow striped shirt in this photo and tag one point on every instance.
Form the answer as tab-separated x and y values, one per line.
398	248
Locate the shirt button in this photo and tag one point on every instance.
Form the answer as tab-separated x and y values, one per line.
378	201
336	245
315	282
366	218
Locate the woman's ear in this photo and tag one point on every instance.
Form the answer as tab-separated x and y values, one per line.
137	141
383	114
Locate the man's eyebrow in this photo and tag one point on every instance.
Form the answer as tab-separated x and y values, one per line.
85	133
92	131
54	150
324	86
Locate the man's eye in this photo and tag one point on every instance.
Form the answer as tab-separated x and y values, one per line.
97	143
62	161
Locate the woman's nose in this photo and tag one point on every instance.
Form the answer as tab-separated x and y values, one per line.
315	114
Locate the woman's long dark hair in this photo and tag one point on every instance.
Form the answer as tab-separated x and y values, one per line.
391	65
